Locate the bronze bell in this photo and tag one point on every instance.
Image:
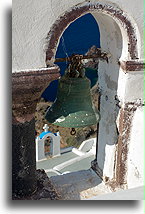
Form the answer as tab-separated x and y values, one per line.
73	106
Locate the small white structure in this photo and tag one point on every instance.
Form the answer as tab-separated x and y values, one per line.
54	144
85	150
86	146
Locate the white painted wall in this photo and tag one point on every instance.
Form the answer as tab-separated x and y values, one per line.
136	151
127	86
32	19
111	41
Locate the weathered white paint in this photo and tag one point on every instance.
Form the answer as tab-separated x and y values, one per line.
136	151
32	20
131	194
109	161
134	87
111	41
114	83
130	87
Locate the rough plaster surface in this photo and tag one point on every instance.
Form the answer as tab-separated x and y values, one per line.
130	87
134	87
131	194
111	41
136	154
32	21
79	185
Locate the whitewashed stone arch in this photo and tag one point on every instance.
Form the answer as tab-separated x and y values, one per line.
128	27
119	35
54	146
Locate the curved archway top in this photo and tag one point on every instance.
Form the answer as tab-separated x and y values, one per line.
50	135
75	12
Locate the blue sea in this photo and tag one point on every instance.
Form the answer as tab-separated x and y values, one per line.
80	36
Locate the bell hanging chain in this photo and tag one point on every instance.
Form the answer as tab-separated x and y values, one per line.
76	67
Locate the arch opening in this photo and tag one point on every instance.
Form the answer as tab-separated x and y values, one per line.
78	38
128	28
118	36
47	143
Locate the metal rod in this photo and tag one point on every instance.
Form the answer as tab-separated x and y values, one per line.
100	55
94	56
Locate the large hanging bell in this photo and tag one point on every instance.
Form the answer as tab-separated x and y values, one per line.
73	106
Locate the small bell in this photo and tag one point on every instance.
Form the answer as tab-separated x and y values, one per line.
73	106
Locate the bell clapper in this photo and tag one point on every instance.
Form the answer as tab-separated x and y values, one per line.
73	131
